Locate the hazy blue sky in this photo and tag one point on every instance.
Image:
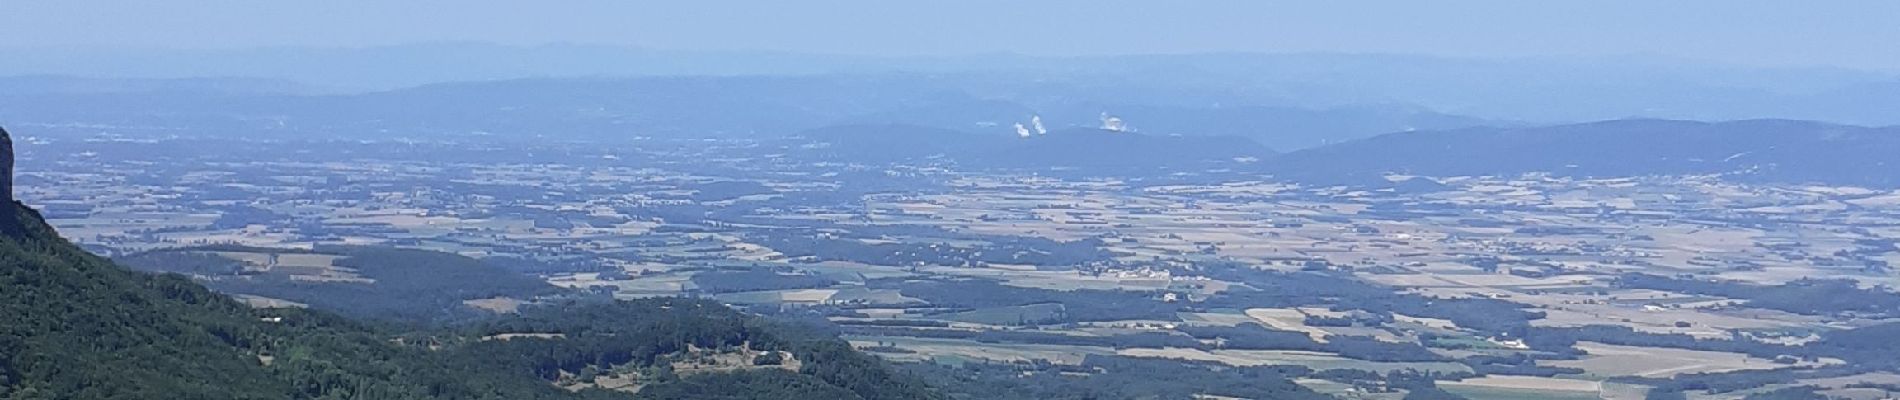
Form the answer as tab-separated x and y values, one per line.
1861	34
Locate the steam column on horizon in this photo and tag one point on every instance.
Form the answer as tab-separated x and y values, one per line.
1113	123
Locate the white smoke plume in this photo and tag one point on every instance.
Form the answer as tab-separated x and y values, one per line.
1021	130
1113	123
1037	122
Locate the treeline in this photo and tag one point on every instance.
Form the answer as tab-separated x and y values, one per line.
1077	305
1727	383
1122	341
727	190
1516	364
1342	292
198	263
1114	377
1865	349
995	250
1805	296
756	279
1561	340
1252	336
1243	337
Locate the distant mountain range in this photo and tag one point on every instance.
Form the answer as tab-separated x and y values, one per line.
752	106
1780	151
1541	89
971	119
1752	150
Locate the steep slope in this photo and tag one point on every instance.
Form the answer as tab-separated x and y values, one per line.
77	327
1753	150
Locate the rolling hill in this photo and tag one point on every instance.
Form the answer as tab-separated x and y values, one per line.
1752	150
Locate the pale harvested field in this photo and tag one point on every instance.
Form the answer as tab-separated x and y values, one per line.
1499	393
643	286
511	336
247	237
1375	333
778	296
1528	383
503	305
1314	360
1703	324
258	259
928	347
1055	280
1889	200
1322	312
1858	394
1514	281
266	302
1287	319
1216	319
869	271
1341	390
1564	310
1775	275
874	296
878	313
300	267
114	223
807	295
283	259
1412	280
1426	322
323	260
408	219
1606	360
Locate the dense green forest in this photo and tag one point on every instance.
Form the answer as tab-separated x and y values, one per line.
1804	296
410	286
80	327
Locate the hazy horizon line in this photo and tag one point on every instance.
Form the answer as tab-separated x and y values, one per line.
1648	57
